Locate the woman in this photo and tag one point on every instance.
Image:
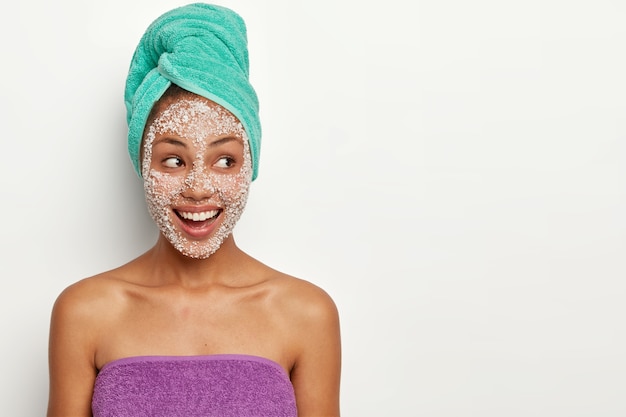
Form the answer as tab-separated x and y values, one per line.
194	326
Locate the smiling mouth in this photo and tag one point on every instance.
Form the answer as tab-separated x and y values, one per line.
198	218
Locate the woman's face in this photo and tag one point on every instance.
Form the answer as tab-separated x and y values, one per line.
197	171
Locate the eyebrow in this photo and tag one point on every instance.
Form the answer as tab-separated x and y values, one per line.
223	140
171	141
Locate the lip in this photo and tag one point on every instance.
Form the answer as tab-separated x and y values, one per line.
197	230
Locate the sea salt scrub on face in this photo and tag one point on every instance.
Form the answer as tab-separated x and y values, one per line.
197	202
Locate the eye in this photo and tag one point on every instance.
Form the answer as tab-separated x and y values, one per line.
224	162
173	162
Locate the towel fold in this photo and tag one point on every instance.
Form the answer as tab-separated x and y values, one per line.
202	48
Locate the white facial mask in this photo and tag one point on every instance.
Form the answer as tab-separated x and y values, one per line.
197	121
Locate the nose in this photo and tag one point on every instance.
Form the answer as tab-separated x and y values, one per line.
198	184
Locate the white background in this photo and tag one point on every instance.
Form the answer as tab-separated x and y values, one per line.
451	172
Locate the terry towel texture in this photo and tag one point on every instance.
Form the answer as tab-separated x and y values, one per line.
193	386
202	48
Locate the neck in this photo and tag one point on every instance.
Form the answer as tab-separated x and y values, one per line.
170	267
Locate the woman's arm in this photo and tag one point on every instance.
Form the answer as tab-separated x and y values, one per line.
71	355
316	373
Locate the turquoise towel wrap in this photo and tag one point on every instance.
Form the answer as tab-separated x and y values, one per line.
202	48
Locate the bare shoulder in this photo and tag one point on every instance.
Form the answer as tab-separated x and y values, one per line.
303	298
312	320
288	292
305	308
78	318
90	300
89	291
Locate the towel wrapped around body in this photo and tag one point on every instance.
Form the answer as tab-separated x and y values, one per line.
193	386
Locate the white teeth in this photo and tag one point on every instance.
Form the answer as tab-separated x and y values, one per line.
198	217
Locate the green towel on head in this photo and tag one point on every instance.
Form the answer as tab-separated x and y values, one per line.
204	49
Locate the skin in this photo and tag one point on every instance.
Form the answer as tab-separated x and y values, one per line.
167	303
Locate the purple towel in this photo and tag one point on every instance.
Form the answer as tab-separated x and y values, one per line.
193	386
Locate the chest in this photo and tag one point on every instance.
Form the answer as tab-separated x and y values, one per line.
162	325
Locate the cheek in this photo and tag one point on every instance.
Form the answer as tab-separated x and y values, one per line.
161	188
231	188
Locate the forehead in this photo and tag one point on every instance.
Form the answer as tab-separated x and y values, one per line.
193	115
